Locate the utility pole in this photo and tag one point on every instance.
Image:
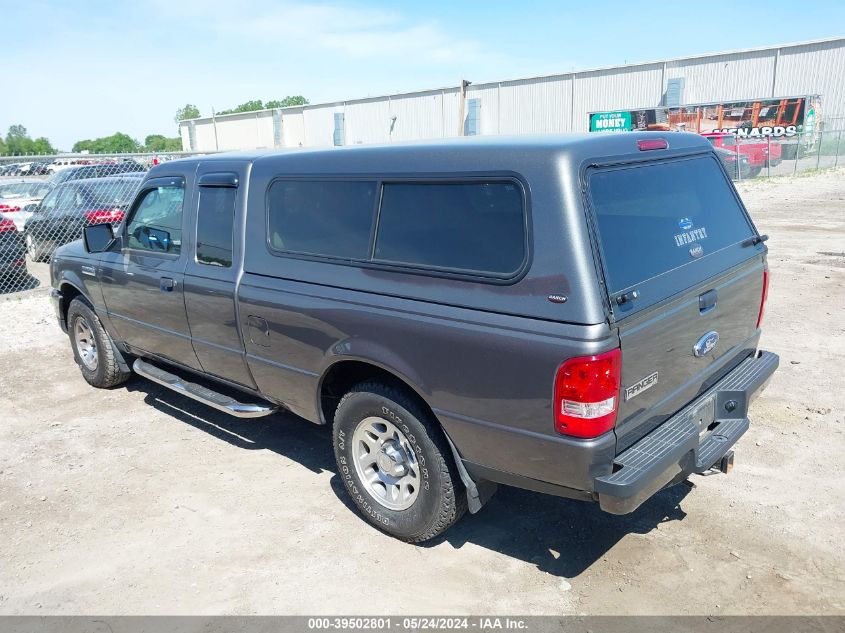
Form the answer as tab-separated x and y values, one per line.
214	123
462	106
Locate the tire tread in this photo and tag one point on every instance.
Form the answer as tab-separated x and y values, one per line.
112	375
455	501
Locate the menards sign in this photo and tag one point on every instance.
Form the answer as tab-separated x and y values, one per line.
763	118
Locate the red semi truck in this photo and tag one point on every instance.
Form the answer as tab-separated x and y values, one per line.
760	154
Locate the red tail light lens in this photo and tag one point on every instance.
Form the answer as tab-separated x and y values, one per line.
7	225
99	216
764	297
587	394
652	143
7	208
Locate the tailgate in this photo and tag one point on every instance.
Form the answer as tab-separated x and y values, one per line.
684	278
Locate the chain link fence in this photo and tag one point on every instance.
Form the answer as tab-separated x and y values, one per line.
749	158
46	201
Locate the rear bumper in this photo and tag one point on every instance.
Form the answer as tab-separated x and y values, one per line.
678	447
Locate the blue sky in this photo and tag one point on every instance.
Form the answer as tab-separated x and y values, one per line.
83	69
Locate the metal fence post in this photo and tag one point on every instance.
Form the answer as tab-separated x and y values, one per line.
768	157
838	141
736	162
797	152
819	150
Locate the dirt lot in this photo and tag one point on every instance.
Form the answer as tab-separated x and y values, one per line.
135	500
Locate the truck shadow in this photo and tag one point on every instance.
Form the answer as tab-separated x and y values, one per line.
560	536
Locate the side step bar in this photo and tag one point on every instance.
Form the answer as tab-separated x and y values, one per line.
202	394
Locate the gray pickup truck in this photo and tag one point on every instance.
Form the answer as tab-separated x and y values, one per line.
575	315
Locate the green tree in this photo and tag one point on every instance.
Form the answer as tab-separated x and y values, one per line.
3	149
19	143
160	143
249	106
295	100
42	146
117	143
190	111
257	104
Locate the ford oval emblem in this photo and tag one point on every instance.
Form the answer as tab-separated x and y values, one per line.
705	344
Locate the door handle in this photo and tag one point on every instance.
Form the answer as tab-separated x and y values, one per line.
707	301
166	284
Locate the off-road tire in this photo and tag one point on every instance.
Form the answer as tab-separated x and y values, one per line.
441	499
108	372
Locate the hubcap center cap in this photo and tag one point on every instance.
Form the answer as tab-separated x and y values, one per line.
392	459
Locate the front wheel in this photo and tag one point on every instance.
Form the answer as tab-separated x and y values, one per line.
34	248
98	359
396	464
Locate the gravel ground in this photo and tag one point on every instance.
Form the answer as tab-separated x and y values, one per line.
135	500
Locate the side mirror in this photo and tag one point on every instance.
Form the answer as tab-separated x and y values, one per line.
98	237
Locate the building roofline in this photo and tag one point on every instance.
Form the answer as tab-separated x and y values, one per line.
572	73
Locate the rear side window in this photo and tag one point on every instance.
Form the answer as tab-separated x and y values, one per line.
478	226
215	219
656	217
329	218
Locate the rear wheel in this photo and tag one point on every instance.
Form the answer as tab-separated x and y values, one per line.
754	172
396	464
93	351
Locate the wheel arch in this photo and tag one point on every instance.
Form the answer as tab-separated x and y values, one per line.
70	291
343	374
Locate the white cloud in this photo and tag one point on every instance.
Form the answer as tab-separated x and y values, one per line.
350	30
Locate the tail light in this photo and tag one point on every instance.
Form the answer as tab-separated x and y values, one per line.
652	143
764	296
99	216
6	225
587	394
7	208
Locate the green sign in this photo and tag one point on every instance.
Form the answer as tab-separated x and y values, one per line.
809	122
610	121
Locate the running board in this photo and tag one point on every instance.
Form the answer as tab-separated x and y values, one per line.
202	394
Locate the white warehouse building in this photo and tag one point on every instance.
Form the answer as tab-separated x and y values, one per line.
548	104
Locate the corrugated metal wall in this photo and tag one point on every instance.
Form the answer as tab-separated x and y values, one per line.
558	103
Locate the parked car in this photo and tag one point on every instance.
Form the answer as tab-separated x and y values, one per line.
737	164
62	214
13	271
37	169
574	315
760	153
10	169
19	197
61	163
82	172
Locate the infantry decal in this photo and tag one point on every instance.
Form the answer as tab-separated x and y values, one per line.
691	236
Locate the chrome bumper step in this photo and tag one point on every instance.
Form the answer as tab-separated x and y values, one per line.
214	399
